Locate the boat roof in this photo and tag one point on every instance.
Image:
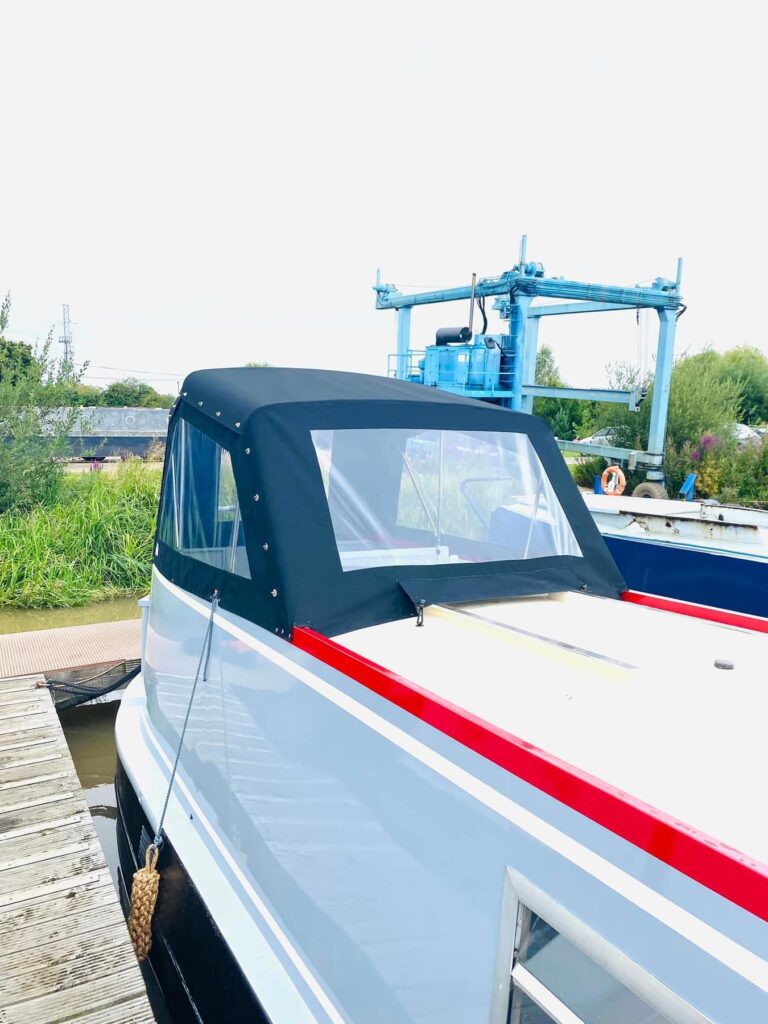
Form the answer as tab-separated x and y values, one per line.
321	460
229	396
657	724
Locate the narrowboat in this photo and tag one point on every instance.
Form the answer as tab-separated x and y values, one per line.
709	556
101	432
407	755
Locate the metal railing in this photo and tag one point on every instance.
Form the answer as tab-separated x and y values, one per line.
473	382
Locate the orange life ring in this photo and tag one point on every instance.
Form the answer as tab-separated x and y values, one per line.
613	481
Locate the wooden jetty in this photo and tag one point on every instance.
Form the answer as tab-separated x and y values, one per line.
69	647
65	954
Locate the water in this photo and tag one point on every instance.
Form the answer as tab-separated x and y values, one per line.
90	734
18	620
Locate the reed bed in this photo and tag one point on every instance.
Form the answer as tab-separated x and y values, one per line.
92	543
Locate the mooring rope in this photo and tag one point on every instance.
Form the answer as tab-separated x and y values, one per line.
53	683
146	881
202	663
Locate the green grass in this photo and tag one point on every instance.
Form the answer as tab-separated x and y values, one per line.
93	543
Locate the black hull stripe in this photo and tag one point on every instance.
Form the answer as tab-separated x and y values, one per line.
200	979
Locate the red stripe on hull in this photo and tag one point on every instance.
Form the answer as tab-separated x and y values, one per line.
697	611
722	869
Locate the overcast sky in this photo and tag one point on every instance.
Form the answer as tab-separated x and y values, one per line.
207	184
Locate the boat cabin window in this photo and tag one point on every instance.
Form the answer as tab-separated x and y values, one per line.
554	982
553	968
427	497
200	513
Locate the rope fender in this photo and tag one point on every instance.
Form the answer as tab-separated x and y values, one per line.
146	885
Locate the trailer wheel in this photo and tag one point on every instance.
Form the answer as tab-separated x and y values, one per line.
647	489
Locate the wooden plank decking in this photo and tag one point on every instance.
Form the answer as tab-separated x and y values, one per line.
65	954
68	647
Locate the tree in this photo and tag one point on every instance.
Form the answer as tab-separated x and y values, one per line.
564	415
748	367
160	401
133	392
547	372
15	356
126	392
33	430
83	394
15	359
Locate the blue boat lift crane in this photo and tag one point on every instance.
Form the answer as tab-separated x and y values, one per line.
502	367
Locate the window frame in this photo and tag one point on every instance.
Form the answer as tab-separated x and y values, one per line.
525	982
520	898
172	496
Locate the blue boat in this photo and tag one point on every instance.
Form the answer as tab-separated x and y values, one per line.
714	556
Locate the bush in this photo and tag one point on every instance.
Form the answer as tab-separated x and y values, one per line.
33	431
733	476
33	434
585	471
94	542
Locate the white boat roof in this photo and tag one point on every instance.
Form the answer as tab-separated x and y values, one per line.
628	694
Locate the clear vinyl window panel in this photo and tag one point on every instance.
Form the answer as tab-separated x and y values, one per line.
426	497
200	513
554	982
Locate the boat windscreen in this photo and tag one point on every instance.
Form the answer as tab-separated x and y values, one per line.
430	497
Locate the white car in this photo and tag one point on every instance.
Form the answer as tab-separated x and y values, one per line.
602	436
745	435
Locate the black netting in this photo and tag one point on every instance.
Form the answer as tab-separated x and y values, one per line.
68	693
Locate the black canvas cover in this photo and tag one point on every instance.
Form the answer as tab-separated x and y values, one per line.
264	417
